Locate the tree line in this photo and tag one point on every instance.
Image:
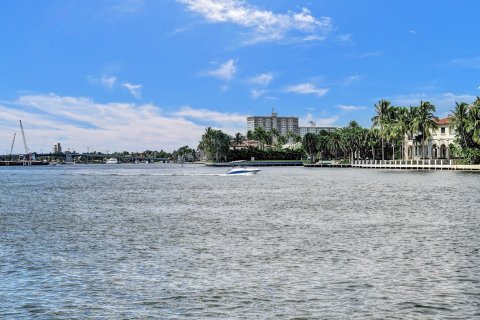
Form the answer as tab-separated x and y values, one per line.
385	139
465	119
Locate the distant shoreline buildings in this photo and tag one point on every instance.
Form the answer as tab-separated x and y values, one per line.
314	129
283	125
57	148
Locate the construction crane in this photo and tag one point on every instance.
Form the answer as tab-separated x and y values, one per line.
11	149
27	153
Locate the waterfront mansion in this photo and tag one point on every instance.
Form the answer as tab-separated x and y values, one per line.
437	146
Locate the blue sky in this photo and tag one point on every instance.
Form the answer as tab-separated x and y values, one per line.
145	74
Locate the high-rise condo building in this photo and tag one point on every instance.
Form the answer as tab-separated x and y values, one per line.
281	124
314	129
57	148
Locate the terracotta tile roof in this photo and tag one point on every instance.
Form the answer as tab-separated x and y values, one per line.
443	121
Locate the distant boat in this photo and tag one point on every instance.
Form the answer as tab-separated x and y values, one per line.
112	161
243	171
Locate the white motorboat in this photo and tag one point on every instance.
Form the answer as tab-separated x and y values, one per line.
112	161
243	171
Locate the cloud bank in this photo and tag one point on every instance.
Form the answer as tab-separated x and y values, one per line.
79	122
307	88
264	25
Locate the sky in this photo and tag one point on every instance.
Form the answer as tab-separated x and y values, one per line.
115	75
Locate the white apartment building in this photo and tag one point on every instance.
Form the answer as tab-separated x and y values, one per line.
281	124
314	129
437	145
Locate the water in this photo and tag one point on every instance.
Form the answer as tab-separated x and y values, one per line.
162	241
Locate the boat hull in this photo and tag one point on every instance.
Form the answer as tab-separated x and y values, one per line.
243	171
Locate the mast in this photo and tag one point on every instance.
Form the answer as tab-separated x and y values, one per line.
27	153
11	149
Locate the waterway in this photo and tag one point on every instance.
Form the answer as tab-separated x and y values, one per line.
170	242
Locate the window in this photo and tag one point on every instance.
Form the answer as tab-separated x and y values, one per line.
442	130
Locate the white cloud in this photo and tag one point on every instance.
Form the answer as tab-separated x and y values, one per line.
265	25
350	107
108	81
350	79
262	79
215	116
78	122
473	63
307	88
345	38
444	102
134	89
256	93
124	8
225	71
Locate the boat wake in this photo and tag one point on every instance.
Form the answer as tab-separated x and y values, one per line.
120	174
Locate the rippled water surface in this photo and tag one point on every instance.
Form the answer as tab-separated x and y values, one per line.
162	241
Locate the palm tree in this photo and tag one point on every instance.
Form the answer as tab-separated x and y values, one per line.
426	121
335	142
262	136
250	135
351	136
281	140
373	138
473	123
410	122
274	134
309	143
397	127
293	137
362	143
382	109
322	143
237	139
215	144
459	121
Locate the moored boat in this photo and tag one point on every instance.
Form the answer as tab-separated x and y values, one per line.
112	161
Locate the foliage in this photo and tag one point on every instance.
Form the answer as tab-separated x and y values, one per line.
215	144
465	121
185	153
265	154
309	143
386	139
238	139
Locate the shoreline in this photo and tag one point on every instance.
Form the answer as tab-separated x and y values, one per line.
361	164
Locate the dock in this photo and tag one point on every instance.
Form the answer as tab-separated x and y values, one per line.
327	164
438	164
